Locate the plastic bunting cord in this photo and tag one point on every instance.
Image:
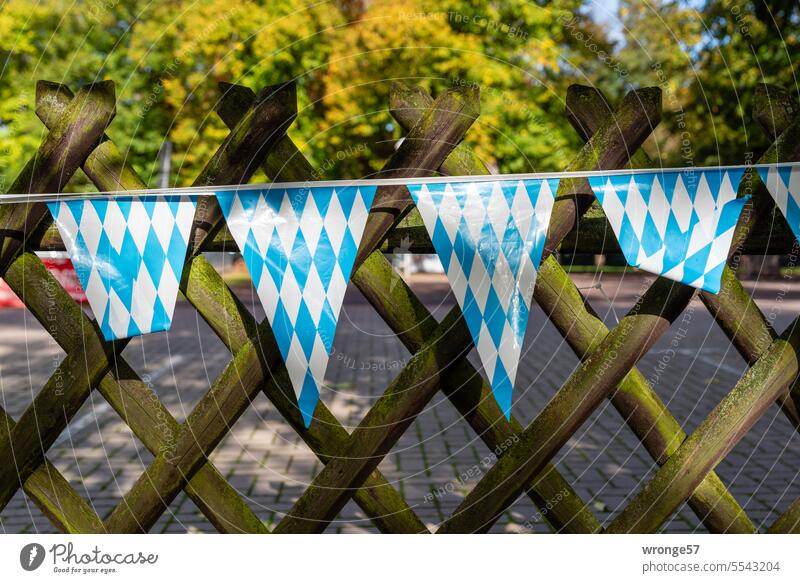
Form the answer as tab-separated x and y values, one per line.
299	242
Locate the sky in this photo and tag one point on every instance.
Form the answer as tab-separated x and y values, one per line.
607	12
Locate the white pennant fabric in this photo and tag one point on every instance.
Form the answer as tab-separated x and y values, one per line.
489	237
677	224
299	245
300	241
783	184
128	253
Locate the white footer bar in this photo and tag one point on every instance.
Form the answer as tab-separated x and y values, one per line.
382	558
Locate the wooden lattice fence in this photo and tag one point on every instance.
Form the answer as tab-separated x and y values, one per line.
435	128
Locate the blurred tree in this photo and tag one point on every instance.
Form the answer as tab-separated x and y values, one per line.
708	57
39	41
185	48
512	50
167	57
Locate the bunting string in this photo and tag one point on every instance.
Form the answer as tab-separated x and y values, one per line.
299	242
762	169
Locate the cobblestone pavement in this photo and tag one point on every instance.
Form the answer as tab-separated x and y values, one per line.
265	461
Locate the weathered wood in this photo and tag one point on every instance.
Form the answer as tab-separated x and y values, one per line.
170	471
789	521
733	309
54	496
377	498
290	161
770	378
712	503
595	378
24	447
133	400
213	172
557	295
635	400
775	108
423	150
84	119
73	136
151	422
331	488
208	423
196	438
104	165
410	320
284	162
130	397
619	135
638	113
483	505
715	436
241	154
315	414
258	124
379	430
761	207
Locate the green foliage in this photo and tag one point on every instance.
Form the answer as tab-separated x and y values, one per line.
167	57
511	50
709	62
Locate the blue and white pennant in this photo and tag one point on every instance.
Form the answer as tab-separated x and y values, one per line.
783	183
677	224
489	237
128	253
299	245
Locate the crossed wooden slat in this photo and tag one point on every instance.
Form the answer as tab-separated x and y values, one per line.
391	415
456	108
199	291
357	279
573	514
389	510
680	475
671	299
257	133
566	307
76	334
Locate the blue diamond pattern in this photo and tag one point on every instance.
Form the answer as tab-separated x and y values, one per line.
300	249
489	237
675	223
128	253
783	184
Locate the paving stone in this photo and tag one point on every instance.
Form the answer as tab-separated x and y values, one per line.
270	466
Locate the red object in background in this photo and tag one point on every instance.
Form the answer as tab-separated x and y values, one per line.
64	273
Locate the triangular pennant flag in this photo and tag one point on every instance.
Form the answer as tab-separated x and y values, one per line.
489	237
128	253
675	224
299	245
783	184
